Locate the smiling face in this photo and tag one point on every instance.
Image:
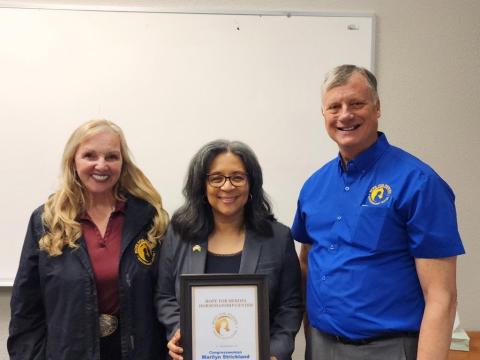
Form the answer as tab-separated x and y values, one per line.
98	162
351	115
227	201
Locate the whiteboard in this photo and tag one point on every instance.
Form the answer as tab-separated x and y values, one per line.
172	82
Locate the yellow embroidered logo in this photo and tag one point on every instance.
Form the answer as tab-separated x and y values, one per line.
144	252
379	194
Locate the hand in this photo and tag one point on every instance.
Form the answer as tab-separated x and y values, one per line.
174	350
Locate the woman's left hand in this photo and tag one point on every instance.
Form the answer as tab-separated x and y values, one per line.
175	350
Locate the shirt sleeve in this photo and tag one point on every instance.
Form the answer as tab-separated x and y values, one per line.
432	220
299	231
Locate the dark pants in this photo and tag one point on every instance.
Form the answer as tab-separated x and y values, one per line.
110	346
325	347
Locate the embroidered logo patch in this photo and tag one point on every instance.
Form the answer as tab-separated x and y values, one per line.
144	252
379	194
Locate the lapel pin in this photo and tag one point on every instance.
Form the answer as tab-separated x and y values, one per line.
196	248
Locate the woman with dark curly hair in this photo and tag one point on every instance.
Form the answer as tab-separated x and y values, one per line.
226	226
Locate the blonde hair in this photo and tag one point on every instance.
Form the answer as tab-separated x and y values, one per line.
62	209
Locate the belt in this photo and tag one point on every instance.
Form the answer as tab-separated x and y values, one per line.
385	336
108	324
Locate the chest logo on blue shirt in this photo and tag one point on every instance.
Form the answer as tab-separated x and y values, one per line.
144	252
379	194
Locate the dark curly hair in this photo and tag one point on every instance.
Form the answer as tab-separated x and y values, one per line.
194	219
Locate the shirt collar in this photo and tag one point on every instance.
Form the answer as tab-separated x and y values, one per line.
120	206
369	157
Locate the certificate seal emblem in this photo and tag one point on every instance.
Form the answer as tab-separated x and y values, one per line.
225	326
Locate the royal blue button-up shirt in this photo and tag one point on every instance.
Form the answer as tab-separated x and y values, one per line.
366	226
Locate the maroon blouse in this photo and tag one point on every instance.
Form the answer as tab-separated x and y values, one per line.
104	253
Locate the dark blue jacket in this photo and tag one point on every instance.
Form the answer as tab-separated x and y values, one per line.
54	313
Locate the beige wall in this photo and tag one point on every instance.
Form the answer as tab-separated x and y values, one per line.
428	67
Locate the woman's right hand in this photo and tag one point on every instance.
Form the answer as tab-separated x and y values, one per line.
174	350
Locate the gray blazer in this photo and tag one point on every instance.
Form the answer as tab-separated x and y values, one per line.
274	256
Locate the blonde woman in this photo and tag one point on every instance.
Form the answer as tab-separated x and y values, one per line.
84	287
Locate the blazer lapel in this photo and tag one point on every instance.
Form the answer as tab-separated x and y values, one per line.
196	257
251	253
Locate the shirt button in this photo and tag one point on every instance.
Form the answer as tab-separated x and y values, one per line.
332	247
347	188
339	218
324	278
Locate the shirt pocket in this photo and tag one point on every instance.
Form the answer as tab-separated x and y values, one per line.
370	226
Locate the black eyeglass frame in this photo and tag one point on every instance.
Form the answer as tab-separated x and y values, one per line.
225	178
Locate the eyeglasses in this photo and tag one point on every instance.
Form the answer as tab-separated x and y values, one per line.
218	180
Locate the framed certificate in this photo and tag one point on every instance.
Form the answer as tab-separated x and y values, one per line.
224	316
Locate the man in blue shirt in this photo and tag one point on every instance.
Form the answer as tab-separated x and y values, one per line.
379	239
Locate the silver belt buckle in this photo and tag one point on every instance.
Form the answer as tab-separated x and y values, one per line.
108	324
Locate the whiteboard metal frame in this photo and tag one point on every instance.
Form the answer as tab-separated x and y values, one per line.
32	5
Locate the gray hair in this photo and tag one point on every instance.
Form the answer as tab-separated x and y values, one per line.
339	76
